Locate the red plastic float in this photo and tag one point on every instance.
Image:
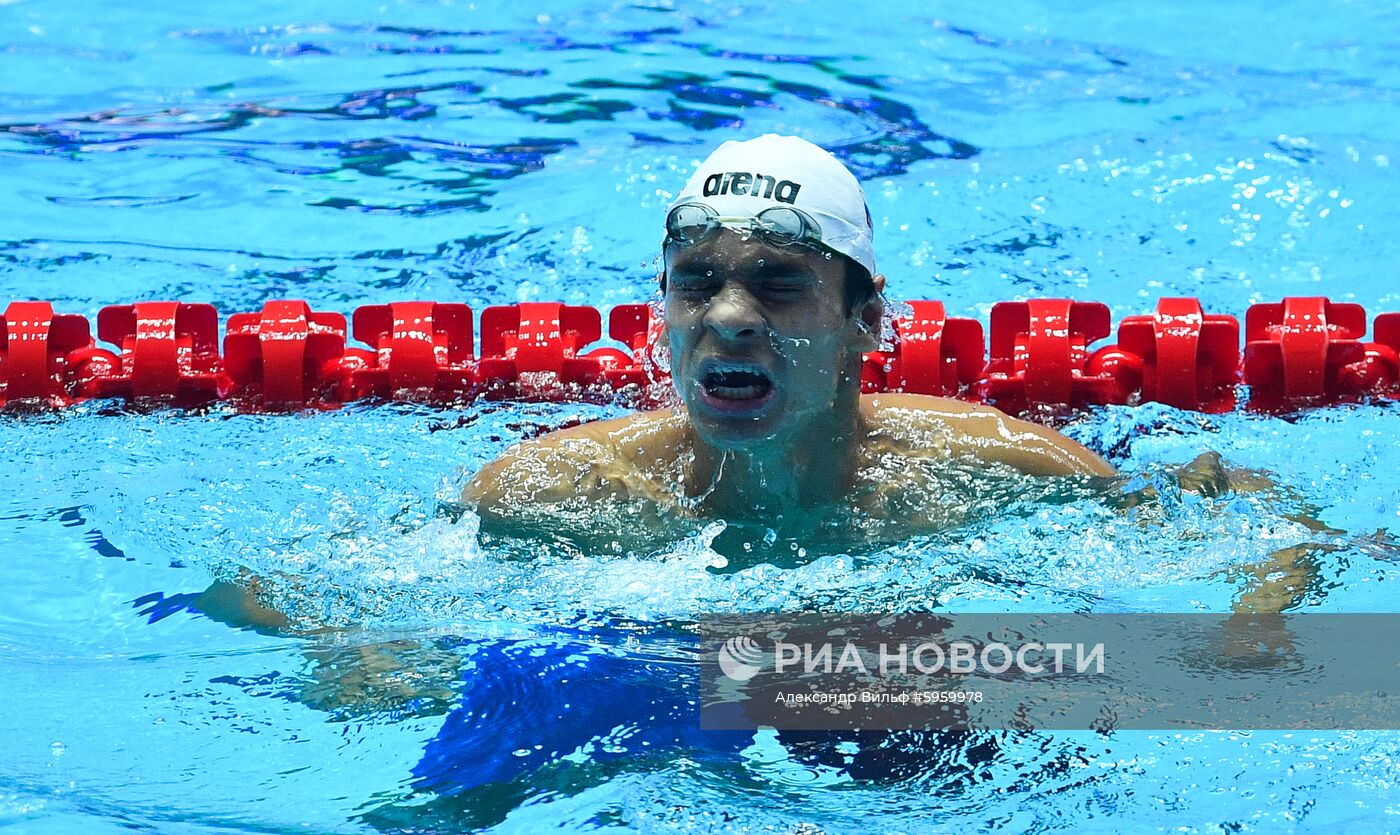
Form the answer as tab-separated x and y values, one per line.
36	350
1381	367
1296	352
932	354
634	326
168	351
530	349
287	355
420	350
1040	356
1189	359
1299	352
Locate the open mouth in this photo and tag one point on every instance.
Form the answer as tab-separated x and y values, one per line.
736	382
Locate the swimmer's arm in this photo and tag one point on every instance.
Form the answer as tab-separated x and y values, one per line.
988	434
520	493
381	677
517	485
237	605
1281	580
347	680
1208	476
580	488
1039	450
552	468
518	496
523	474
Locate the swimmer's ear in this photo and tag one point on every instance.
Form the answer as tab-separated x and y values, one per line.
872	313
661	271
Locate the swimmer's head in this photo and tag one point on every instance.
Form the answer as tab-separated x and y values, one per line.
771	298
785	191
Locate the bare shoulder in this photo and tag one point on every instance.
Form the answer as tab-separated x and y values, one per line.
591	460
922	425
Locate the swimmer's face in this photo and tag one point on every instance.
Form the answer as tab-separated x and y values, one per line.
762	343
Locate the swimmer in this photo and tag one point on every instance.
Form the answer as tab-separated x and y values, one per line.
771	299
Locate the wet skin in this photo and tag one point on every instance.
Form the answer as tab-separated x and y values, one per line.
766	359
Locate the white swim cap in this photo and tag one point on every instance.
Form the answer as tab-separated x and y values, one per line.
741	179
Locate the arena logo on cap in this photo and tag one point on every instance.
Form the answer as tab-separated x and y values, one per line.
753	185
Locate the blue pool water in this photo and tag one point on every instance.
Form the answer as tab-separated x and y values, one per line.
355	153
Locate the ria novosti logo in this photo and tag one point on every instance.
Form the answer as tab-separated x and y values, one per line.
741	658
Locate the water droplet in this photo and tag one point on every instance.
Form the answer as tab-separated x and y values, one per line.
659	358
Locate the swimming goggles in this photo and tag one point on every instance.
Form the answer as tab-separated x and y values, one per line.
780	226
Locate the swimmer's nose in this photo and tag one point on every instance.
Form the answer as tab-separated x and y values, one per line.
734	313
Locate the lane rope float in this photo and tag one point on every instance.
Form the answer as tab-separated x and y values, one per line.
1296	353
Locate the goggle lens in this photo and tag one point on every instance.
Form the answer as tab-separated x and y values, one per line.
690	223
785	227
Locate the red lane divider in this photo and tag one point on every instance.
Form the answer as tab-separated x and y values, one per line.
168	350
287	355
1299	352
420	350
1040	355
1380	370
1189	359
35	346
528	349
1305	350
634	326
932	354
